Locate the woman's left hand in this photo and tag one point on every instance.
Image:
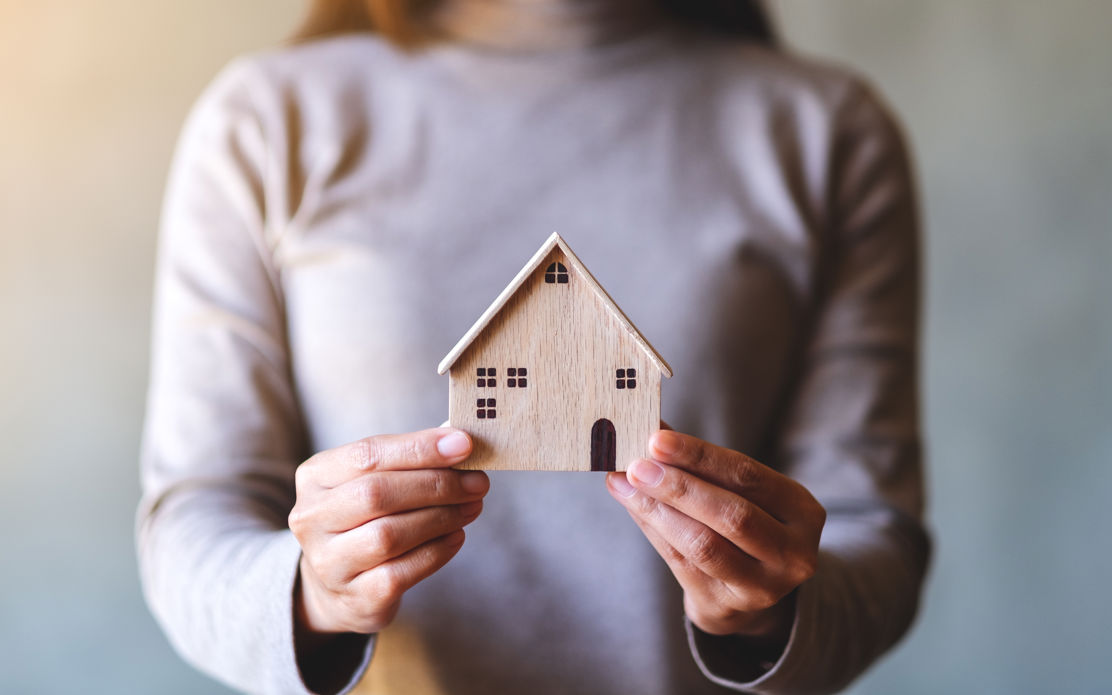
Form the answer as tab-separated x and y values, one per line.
738	536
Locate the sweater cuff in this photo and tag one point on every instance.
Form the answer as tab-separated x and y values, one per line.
723	658
288	676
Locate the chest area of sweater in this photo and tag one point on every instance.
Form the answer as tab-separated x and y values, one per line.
395	250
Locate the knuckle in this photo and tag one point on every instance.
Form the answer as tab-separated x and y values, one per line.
383	538
388	586
761	598
802	568
371	494
703	549
301	476
298	520
681	487
740	517
439	484
363	454
411	449
645	506
329	571
746	473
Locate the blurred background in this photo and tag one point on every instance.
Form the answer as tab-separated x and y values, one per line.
1009	109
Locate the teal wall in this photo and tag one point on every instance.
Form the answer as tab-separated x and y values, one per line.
1009	108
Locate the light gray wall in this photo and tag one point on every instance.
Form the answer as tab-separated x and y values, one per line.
1007	105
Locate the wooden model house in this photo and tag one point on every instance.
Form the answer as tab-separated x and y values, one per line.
553	376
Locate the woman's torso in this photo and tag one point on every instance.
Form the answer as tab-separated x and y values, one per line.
405	191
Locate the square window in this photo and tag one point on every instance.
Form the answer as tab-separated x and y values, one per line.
481	403
481	414
522	372
631	373
482	383
621	383
631	383
481	371
491	371
511	382
491	403
621	373
492	383
521	383
511	371
490	415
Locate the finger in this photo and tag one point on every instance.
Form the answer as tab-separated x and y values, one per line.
776	493
392	536
712	602
690	577
696	542
433	448
732	516
373	496
387	582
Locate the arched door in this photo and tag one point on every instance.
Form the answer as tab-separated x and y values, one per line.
603	445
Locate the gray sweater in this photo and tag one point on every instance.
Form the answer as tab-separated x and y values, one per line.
338	215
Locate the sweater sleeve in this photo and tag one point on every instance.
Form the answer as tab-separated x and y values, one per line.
223	432
851	432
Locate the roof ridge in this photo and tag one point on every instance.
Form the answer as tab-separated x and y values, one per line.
511	289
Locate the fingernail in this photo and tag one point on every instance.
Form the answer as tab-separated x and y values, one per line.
473	482
621	485
665	443
470	509
646	473
453	445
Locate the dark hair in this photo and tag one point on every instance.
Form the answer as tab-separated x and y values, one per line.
743	19
394	19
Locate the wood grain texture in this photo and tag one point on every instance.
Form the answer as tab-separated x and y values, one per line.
571	339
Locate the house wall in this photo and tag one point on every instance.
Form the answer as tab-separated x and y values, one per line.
571	344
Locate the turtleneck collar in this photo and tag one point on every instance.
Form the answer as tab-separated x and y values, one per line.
537	26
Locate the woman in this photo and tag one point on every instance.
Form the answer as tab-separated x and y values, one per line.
340	211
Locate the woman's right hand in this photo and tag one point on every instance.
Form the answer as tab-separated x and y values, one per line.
375	517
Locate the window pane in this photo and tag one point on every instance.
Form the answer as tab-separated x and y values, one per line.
621	383
632	383
481	414
521	371
491	371
481	371
490	414
481	403
631	373
550	278
511	383
491	403
562	279
621	373
492	383
521	383
482	383
511	372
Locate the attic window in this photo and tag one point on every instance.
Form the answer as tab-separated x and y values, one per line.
485	377
556	273
484	408
516	377
626	378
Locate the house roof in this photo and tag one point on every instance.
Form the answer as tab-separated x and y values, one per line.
515	284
